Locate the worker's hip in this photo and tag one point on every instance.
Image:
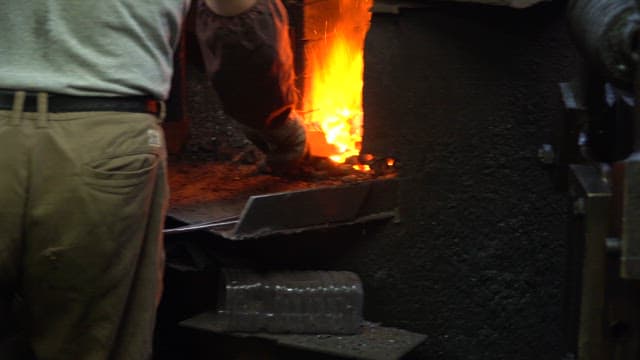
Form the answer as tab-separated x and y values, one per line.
110	150
82	201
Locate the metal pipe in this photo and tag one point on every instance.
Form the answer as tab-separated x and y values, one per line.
606	32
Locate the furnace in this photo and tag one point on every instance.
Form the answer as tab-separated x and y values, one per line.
337	185
329	40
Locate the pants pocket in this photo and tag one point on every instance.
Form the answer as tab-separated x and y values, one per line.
119	175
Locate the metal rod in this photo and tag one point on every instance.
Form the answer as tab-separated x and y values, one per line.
224	222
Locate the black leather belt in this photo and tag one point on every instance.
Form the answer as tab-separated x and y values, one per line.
65	103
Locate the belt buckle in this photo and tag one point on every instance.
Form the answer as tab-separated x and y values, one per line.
156	107
152	106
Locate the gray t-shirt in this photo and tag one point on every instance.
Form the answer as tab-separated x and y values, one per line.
90	47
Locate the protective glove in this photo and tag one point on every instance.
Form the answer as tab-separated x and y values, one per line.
287	145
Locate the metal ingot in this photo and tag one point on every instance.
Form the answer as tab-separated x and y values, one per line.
302	302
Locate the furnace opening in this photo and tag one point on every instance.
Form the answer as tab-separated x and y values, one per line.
333	43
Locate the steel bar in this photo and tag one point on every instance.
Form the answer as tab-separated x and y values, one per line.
219	223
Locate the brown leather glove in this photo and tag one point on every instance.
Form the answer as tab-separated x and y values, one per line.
287	145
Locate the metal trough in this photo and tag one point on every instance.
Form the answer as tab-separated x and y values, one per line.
292	211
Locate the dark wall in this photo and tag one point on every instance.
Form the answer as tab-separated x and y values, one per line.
462	95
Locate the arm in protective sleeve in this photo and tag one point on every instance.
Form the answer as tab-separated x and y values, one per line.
606	32
229	7
249	60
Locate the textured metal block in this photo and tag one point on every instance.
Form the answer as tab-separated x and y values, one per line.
303	302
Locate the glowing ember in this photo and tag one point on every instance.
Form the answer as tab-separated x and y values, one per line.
366	157
361	167
335	66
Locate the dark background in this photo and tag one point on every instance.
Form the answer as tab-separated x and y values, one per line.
462	95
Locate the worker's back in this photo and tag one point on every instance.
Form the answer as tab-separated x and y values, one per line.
89	48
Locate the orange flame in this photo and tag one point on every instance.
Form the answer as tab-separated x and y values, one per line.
335	67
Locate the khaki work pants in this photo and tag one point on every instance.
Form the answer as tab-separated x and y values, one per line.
82	203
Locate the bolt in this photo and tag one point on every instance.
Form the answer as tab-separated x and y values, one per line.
546	155
582	139
622	68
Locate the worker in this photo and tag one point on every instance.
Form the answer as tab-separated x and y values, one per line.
248	58
82	182
83	188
